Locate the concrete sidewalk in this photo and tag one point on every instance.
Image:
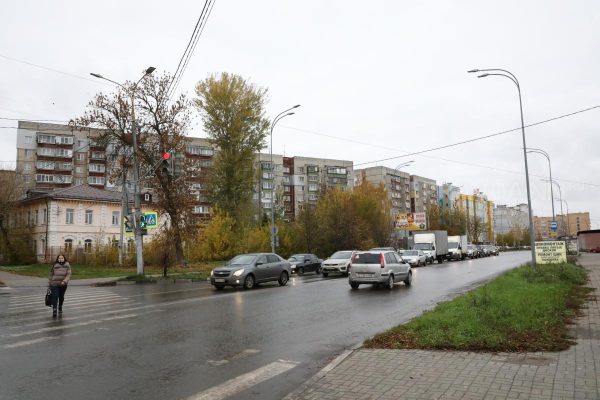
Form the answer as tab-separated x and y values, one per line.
21	281
421	374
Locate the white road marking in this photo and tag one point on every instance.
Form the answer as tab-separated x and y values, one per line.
245	381
18	299
94	321
81	299
45	339
238	356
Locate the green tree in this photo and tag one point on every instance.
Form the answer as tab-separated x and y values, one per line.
447	219
161	126
233	114
15	232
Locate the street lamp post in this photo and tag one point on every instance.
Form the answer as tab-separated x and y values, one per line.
279	116
542	152
562	215
568	218
513	78
136	194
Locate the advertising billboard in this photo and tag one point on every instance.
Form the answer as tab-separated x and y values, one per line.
411	222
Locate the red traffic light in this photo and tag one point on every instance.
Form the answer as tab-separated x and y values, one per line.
165	155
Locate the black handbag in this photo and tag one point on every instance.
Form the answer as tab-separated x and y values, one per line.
48	299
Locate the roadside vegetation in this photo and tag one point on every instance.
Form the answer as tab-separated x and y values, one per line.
2	284
192	271
526	309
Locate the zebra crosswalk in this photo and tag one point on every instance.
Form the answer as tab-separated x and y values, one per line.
27	321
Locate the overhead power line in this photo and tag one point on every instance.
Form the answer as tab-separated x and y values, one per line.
50	69
191	46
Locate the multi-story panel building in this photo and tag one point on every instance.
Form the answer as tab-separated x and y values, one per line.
396	183
448	195
507	218
478	209
568	224
201	152
59	156
423	193
293	183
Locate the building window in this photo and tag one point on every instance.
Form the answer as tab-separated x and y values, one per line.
267	175
97	168
312	168
313	188
287	189
89	217
27	179
80	144
41	178
35	220
286	169
96	180
27	167
266	165
267	185
97	155
80	156
46	138
79	181
300	170
300	179
44	216
68	246
63	153
201	210
115	217
41	165
63	178
336	170
69	216
200	151
87	245
28	139
313	178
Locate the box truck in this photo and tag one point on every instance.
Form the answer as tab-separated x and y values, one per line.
433	243
457	247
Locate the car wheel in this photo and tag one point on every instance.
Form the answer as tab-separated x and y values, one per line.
249	282
325	274
283	278
354	285
219	287
300	271
390	282
408	280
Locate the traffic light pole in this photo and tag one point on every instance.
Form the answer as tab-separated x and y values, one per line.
139	250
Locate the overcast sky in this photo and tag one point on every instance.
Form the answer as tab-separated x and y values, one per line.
375	79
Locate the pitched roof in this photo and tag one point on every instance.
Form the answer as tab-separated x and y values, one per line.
79	192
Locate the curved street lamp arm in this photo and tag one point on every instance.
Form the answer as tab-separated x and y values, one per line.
496	69
504	75
283	112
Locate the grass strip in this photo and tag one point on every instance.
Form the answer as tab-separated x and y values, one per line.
526	309
197	270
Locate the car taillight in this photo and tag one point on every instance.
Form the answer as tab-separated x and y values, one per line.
382	260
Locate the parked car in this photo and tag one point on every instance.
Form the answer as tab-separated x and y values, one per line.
415	258
379	267
302	263
481	250
248	270
339	262
472	251
494	250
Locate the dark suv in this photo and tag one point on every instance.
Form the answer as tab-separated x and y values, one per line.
249	269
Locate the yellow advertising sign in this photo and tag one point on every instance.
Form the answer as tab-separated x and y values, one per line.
411	222
551	252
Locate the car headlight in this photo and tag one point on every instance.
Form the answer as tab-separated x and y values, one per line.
212	273
239	272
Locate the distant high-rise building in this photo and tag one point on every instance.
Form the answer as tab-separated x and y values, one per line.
423	193
448	195
478	210
568	225
507	218
395	182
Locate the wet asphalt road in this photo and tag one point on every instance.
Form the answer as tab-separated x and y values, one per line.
177	341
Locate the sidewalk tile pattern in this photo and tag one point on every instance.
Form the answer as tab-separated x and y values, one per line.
380	374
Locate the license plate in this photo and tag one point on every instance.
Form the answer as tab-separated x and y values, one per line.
219	280
364	275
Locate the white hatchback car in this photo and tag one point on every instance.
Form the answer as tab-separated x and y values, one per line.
379	267
339	262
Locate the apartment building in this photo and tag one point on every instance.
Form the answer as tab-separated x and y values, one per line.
448	195
396	183
59	156
506	218
478	207
568	225
292	183
423	193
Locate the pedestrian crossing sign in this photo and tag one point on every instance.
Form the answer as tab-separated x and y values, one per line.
151	219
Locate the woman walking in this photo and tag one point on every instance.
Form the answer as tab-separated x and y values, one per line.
59	277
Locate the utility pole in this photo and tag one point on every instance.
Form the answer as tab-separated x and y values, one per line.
124	207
